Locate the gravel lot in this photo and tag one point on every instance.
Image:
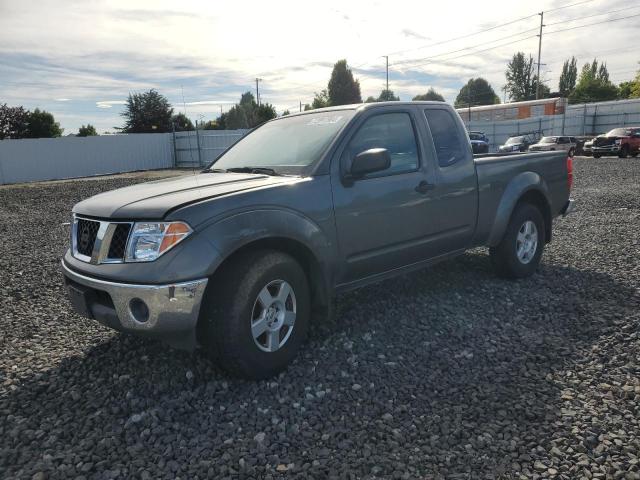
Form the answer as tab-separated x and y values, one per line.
446	373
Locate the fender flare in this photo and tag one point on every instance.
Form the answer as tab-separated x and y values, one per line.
522	184
274	228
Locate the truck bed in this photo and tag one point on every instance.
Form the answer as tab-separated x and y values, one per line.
497	170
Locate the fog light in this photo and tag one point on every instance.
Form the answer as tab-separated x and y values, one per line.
139	310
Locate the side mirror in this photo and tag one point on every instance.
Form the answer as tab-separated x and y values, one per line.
369	161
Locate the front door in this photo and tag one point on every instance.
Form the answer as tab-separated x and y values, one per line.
381	218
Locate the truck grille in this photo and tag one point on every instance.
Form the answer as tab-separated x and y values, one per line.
604	141
119	241
98	241
86	233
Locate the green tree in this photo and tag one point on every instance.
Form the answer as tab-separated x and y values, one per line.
263	113
593	85
181	123
147	112
247	113
477	91
14	122
285	113
635	88
522	82
87	131
624	89
388	96
343	89
568	77
320	100
371	99
431	95
42	124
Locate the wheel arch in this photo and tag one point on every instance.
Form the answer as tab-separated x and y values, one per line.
527	187
310	263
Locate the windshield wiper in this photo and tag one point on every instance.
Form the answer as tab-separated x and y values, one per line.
266	171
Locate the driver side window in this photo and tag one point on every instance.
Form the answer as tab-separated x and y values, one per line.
393	131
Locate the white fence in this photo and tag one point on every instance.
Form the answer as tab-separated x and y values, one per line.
32	160
587	119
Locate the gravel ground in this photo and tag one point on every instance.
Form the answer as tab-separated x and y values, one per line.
445	373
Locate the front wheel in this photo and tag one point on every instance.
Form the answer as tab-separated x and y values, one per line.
596	155
256	314
518	254
571	152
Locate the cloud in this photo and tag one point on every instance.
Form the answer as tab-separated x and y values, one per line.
407	32
109	103
93	54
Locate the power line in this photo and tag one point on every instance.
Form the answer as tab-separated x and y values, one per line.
595	23
466	36
474	51
465	48
593	15
549	10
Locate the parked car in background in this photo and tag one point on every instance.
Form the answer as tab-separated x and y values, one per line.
587	146
546	144
240	258
479	142
515	144
619	141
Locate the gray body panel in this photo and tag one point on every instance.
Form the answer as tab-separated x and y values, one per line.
358	233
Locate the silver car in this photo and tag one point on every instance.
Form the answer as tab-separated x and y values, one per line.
546	144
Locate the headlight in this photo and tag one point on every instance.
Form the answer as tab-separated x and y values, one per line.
618	141
150	240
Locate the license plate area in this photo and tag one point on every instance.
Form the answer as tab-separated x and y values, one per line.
81	299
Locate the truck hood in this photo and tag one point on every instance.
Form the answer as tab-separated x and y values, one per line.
153	200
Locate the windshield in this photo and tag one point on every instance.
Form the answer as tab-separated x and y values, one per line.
476	136
619	132
286	145
513	140
549	140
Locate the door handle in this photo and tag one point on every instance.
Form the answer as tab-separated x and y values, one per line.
424	187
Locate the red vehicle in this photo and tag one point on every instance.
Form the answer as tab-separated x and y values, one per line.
619	141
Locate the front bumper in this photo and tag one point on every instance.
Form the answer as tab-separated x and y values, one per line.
168	312
606	149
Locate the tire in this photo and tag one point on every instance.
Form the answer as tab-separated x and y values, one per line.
251	293
572	152
504	257
624	152
634	155
596	155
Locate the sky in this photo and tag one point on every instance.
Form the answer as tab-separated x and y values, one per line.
80	59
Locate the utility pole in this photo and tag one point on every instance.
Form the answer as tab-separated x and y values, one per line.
300	105
258	91
539	52
387	58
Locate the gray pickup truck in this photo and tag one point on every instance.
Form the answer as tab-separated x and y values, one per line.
241	257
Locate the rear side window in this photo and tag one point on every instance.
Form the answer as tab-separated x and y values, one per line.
393	131
450	146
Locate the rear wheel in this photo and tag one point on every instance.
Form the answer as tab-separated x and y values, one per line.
596	155
256	314
571	152
518	254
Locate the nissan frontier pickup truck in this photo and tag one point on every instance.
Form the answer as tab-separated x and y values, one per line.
238	259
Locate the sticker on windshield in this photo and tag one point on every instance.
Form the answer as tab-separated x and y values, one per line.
324	120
